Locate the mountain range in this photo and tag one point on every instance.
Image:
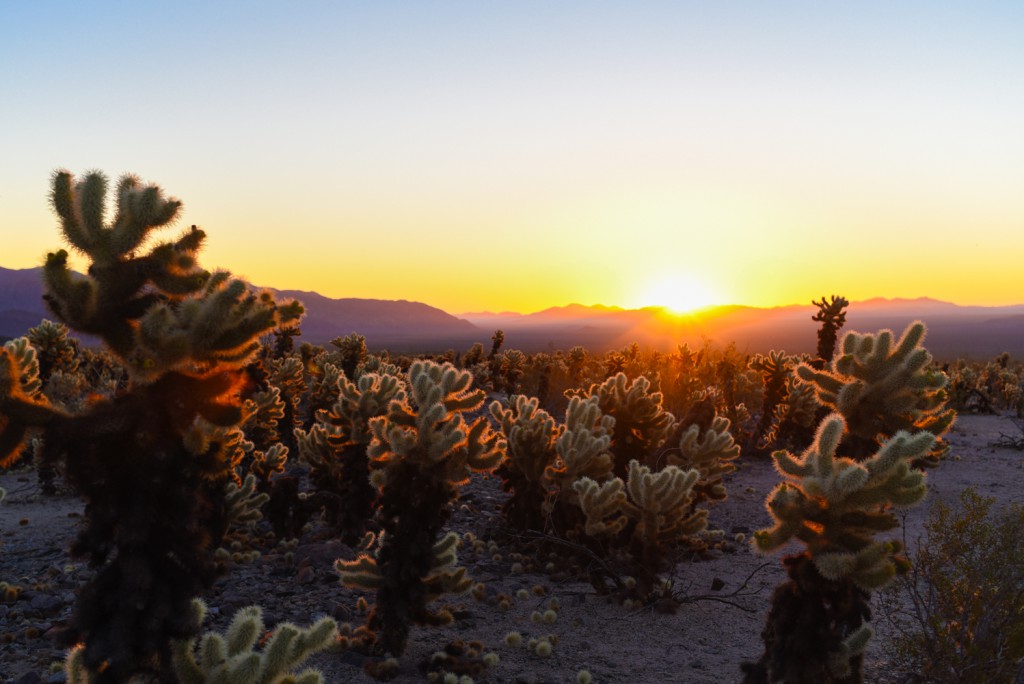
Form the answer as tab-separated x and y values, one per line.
405	326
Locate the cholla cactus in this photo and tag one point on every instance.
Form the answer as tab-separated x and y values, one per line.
352	351
641	423
583	449
511	366
656	507
775	370
232	658
336	448
184	335
797	416
881	387
289	376
243	503
711	453
835	506
262	413
57	352
422	450
324	388
531	435
445	575
832	316
266	464
22	404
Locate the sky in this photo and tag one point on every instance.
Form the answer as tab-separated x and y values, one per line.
521	155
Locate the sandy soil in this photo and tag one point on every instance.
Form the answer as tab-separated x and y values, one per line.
717	627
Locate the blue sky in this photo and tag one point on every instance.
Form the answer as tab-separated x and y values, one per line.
528	154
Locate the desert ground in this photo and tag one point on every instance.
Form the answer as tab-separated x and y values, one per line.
724	597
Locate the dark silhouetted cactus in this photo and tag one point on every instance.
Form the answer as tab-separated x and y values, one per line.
155	507
832	315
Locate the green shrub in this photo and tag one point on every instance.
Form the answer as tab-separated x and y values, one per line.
958	615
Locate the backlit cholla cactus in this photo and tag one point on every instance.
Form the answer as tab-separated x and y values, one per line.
655	508
184	335
351	352
835	506
288	375
583	451
711	453
641	423
797	415
775	370
335	448
531	435
882	386
232	658
324	380
422	450
262	413
57	351
22	404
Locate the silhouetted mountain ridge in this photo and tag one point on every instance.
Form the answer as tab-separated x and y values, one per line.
402	325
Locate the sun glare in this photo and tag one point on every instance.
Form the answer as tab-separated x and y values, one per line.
678	294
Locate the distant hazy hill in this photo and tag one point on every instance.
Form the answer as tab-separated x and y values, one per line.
954	330
397	325
976	331
21	301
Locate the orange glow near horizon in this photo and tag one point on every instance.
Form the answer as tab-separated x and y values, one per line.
677	293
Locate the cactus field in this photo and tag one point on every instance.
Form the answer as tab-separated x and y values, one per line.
201	497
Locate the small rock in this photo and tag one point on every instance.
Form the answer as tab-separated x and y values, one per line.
717	584
45	604
29	678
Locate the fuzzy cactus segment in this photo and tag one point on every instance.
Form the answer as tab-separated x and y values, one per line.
881	386
583	446
231	658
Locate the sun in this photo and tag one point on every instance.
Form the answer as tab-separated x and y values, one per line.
678	293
